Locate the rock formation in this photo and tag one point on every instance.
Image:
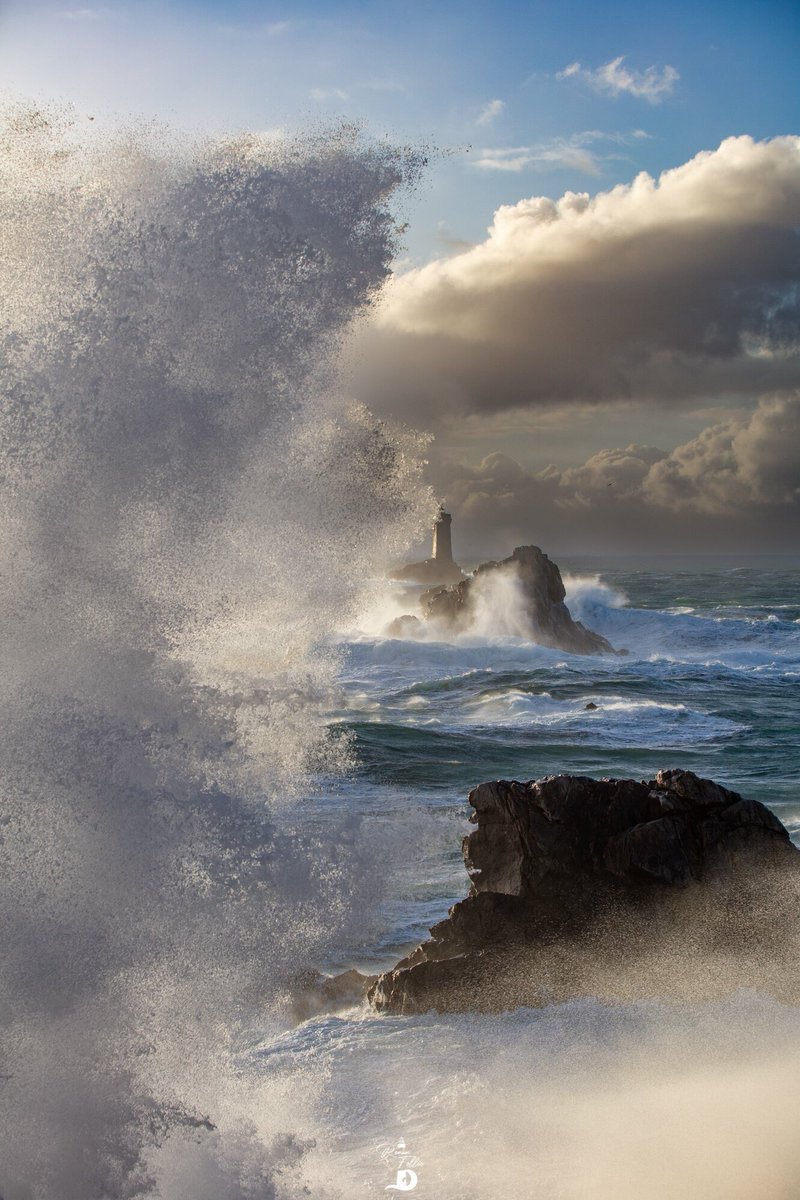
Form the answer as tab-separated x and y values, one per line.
403	627
547	617
674	887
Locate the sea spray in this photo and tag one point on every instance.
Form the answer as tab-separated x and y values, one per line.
579	1101
186	515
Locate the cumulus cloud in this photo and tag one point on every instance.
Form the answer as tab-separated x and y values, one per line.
615	79
737	478
490	112
682	287
734	465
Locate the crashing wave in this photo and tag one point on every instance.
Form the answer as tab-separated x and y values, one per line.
184	511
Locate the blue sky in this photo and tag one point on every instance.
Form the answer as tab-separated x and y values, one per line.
678	350
468	74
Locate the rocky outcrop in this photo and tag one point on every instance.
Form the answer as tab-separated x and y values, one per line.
547	619
430	571
676	887
403	627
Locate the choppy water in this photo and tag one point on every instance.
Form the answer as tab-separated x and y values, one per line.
583	1100
710	684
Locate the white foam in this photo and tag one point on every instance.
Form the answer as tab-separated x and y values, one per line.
184	527
616	720
577	1100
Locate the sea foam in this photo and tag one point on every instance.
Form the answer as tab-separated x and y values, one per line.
187	513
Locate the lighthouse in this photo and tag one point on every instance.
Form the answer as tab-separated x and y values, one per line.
442	544
441	568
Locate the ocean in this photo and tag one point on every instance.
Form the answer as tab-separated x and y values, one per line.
709	685
584	1099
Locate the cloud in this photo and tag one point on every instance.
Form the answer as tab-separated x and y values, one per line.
615	79
85	14
734	465
322	94
738	480
490	112
572	153
555	154
679	288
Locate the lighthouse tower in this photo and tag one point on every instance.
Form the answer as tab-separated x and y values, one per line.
442	545
440	569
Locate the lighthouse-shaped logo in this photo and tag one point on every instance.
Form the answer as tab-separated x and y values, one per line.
406	1178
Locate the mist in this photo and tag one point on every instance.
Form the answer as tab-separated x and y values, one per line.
183	494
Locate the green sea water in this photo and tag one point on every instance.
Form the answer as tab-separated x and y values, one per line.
710	684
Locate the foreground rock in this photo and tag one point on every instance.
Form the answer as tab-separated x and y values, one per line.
673	888
545	617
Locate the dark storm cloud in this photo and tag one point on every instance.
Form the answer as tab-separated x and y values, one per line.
735	485
688	286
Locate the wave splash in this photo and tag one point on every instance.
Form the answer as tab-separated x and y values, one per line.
185	513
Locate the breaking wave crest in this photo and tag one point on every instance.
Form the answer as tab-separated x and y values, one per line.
181	497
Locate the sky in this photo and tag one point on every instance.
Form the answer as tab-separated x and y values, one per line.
596	310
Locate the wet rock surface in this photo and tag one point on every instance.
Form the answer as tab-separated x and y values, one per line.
542	589
430	570
673	887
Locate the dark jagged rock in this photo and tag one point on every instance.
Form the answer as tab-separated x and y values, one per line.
543	592
675	887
